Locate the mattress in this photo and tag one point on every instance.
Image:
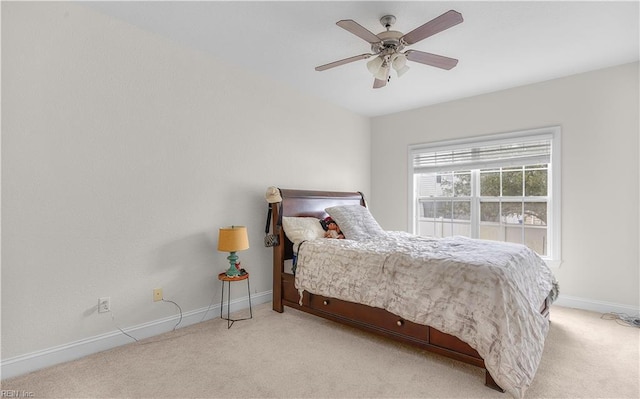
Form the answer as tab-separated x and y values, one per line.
486	293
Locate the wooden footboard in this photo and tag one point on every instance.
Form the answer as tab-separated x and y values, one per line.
375	320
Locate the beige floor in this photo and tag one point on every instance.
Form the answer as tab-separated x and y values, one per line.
298	355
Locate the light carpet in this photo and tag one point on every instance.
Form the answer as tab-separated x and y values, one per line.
296	355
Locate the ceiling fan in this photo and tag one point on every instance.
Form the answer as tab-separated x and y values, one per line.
387	47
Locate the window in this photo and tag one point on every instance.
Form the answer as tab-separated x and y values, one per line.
502	187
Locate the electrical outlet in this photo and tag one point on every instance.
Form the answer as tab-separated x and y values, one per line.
104	304
157	294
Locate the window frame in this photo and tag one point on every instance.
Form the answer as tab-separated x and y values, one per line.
554	186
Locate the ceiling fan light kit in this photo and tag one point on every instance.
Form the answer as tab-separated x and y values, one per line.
387	46
383	72
399	63
374	65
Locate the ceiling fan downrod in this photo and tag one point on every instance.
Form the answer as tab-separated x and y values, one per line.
389	40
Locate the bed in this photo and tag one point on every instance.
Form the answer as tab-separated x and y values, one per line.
382	288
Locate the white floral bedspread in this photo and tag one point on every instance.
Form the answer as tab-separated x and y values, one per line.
486	293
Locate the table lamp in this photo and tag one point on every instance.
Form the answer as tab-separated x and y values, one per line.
232	239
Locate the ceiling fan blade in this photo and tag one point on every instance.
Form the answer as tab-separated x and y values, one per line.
436	25
358	30
377	83
435	60
342	62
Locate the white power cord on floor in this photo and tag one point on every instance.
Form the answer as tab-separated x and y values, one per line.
113	319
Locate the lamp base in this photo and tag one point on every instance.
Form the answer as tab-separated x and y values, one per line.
232	271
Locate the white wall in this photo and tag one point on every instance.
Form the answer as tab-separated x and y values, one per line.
122	154
598	114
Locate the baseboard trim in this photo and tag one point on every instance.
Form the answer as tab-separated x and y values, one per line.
33	361
27	363
595	306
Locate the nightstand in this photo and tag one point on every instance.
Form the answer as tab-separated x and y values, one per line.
230	279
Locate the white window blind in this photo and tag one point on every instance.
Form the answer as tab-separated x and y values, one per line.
511	152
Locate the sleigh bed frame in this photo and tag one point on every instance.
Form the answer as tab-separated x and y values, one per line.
375	320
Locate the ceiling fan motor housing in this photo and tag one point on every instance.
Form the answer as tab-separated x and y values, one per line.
389	40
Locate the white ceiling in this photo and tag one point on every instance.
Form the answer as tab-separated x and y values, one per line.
499	44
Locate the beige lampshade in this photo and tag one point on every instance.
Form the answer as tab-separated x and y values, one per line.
232	239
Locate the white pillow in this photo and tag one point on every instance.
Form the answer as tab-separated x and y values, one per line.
355	222
300	229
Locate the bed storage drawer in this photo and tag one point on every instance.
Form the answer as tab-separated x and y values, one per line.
446	341
373	318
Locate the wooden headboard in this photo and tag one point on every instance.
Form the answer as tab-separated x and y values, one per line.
301	203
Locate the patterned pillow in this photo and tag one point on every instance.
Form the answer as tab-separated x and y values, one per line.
300	229
355	221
